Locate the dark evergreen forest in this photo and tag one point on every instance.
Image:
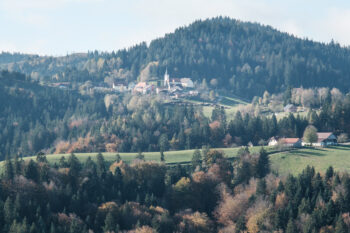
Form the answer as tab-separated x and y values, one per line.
36	118
211	195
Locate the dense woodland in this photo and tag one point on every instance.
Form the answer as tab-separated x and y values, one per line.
245	58
211	195
36	118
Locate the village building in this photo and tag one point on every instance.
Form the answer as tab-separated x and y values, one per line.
166	82
121	87
131	86
273	141
324	139
291	142
186	83
290	108
139	87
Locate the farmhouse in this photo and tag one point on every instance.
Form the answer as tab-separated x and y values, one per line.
291	142
273	141
287	142
324	139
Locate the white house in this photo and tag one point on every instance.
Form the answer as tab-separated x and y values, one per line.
186	83
324	139
273	141
119	87
287	142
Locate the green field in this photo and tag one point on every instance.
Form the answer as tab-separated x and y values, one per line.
282	162
321	158
182	156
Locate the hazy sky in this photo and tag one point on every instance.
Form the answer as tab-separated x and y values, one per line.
58	27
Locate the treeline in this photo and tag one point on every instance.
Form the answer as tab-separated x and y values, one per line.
243	58
211	195
32	117
36	118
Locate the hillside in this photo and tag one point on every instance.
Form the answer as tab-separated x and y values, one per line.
245	58
171	157
293	162
284	163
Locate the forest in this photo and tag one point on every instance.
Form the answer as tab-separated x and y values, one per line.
245	58
36	118
212	194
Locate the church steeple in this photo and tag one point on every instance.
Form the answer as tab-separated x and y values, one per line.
166	79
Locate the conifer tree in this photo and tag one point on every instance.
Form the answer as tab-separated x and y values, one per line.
263	165
291	228
31	171
162	159
9	173
340	226
101	166
196	159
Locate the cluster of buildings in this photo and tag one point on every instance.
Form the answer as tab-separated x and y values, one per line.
323	139
175	87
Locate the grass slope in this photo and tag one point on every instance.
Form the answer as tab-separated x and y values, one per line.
321	158
171	157
181	156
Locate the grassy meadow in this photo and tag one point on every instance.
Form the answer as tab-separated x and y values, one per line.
181	156
321	158
288	162
171	157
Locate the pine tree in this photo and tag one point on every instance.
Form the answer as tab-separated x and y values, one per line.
33	228
329	173
110	223
140	156
41	158
340	226
163	142
9	173
101	166
9	210
291	227
17	166
261	187
89	164
62	162
196	159
118	158
15	227
74	165
162	159
52	228
263	165
31	171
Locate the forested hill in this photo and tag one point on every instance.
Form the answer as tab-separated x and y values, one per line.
245	58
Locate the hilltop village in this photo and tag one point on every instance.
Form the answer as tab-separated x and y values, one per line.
171	87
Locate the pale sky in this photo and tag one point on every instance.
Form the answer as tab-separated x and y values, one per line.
58	27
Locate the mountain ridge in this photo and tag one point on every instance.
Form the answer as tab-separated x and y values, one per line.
246	58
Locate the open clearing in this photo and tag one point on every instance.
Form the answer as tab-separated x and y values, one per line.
181	156
292	162
321	158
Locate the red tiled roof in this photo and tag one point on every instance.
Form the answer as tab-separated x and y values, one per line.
290	140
